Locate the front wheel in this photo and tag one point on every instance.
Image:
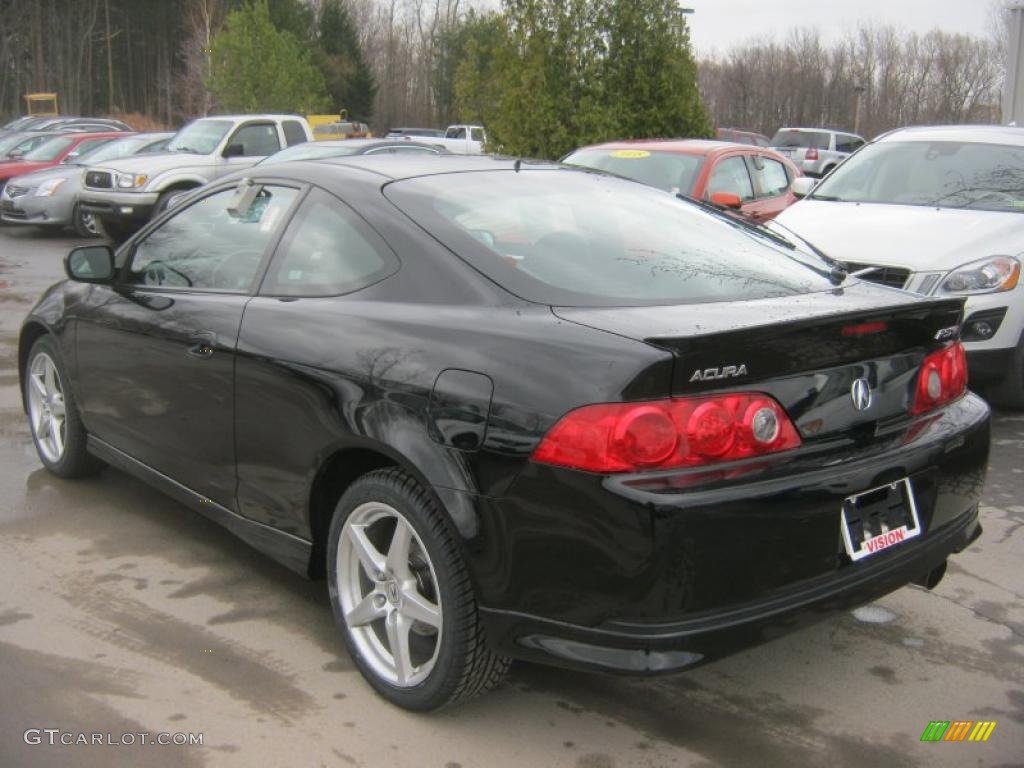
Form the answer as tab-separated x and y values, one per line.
1009	391
84	223
402	596
114	231
57	429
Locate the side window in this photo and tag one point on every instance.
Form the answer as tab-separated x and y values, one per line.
257	140
209	247
845	143
730	175
761	141
293	132
476	134
771	176
327	250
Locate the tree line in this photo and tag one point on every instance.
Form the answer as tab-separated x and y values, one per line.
543	75
900	78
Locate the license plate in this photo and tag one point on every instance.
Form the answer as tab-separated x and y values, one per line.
878	519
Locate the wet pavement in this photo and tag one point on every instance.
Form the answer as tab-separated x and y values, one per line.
122	612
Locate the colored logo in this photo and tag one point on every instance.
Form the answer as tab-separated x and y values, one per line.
958	730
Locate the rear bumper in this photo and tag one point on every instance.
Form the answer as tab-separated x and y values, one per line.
593	572
660	648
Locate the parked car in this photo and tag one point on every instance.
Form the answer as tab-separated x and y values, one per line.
49	198
463	139
431	133
90	124
937	211
757	182
123	195
345	147
516	409
742	137
53	151
816	151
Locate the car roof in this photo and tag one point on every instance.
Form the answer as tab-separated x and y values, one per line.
397	167
369	143
681	146
260	116
978	134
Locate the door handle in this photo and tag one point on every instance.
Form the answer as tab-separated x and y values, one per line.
202	345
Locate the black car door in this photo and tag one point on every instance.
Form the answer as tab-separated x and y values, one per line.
155	352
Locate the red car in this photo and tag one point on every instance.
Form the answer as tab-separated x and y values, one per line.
55	151
754	180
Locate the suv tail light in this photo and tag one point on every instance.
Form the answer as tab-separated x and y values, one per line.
664	434
812	154
943	378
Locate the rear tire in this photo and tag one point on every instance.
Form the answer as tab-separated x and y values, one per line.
397	580
57	431
1009	391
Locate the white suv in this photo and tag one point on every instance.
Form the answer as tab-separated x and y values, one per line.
938	211
816	151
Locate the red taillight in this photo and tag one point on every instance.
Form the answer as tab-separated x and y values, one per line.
943	378
663	434
812	154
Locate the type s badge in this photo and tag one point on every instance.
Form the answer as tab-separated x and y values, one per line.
714	374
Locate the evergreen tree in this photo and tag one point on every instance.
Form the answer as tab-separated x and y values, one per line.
563	73
254	67
349	80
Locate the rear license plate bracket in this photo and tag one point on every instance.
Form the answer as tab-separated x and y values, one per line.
879	518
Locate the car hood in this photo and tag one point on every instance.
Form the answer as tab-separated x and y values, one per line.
151	165
919	238
14	168
36	178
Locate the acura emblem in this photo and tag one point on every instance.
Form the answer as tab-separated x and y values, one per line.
860	393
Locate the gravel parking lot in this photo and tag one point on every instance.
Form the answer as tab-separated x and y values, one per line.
122	612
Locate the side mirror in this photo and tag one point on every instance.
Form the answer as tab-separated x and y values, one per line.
16	154
726	200
234	150
90	264
803	185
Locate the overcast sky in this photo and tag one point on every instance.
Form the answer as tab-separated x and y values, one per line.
720	24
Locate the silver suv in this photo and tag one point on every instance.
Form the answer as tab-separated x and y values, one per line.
816	151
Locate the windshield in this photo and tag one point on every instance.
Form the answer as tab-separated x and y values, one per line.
309	151
563	237
200	137
670	171
48	150
114	150
791	138
942	174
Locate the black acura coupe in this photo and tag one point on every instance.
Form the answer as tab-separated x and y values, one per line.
517	410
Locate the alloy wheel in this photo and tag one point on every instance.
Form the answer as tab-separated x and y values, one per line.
89	223
46	407
389	596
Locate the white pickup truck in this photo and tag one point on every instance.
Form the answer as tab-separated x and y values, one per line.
462	139
123	195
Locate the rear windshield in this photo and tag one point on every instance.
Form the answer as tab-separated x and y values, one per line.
570	238
787	138
671	171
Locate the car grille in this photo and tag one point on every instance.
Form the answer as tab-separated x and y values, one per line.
98	180
12	191
894	277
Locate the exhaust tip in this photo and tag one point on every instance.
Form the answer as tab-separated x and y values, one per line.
931	579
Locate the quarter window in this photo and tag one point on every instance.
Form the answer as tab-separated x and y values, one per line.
294	133
208	247
730	175
328	250
258	140
846	143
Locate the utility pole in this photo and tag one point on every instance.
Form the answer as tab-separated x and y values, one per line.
859	90
1013	88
